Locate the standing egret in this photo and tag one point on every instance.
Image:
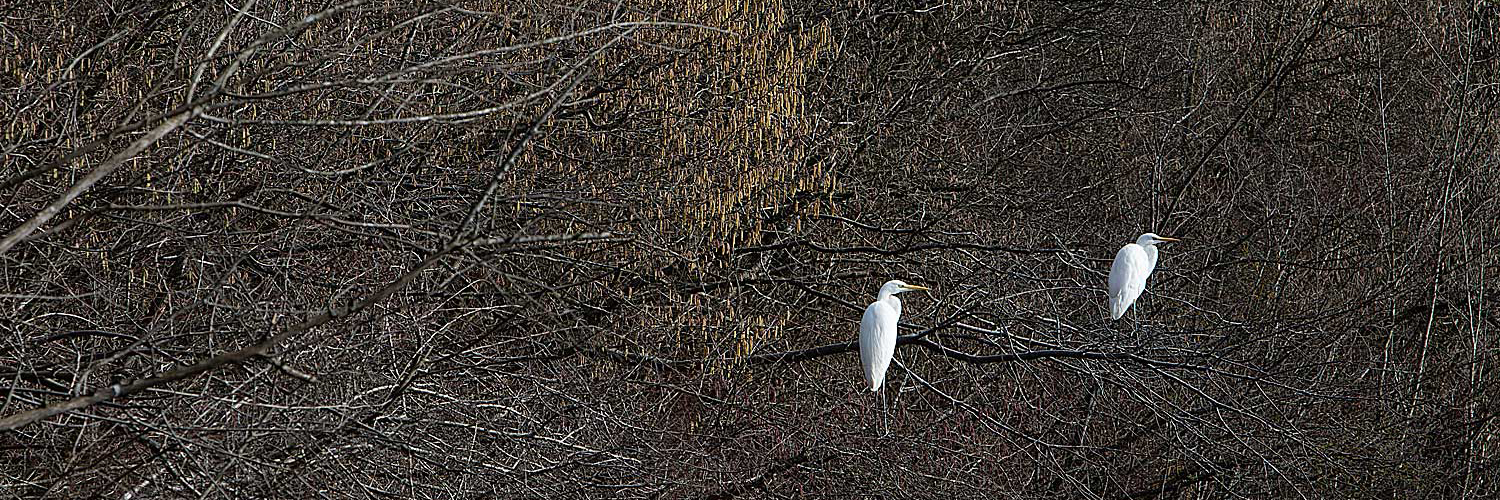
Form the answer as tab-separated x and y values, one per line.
1127	277
877	333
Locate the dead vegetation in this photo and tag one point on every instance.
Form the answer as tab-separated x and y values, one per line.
585	249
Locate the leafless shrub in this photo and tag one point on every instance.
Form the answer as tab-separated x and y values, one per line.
478	249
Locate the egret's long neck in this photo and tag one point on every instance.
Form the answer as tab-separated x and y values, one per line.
894	302
1151	257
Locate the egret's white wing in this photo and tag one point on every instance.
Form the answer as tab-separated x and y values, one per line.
877	342
1127	278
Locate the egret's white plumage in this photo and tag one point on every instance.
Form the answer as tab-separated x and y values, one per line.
877	332
1127	276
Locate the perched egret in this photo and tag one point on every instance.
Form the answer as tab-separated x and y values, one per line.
877	332
1127	277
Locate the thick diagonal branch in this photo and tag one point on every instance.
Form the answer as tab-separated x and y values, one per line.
108	167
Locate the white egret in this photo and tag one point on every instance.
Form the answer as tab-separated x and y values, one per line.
877	334
1127	277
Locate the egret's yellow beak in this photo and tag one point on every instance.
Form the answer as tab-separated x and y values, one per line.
915	287
1164	238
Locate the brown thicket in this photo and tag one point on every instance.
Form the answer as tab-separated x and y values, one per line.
483	249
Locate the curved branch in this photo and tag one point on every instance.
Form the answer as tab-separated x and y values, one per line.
904	250
920	340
